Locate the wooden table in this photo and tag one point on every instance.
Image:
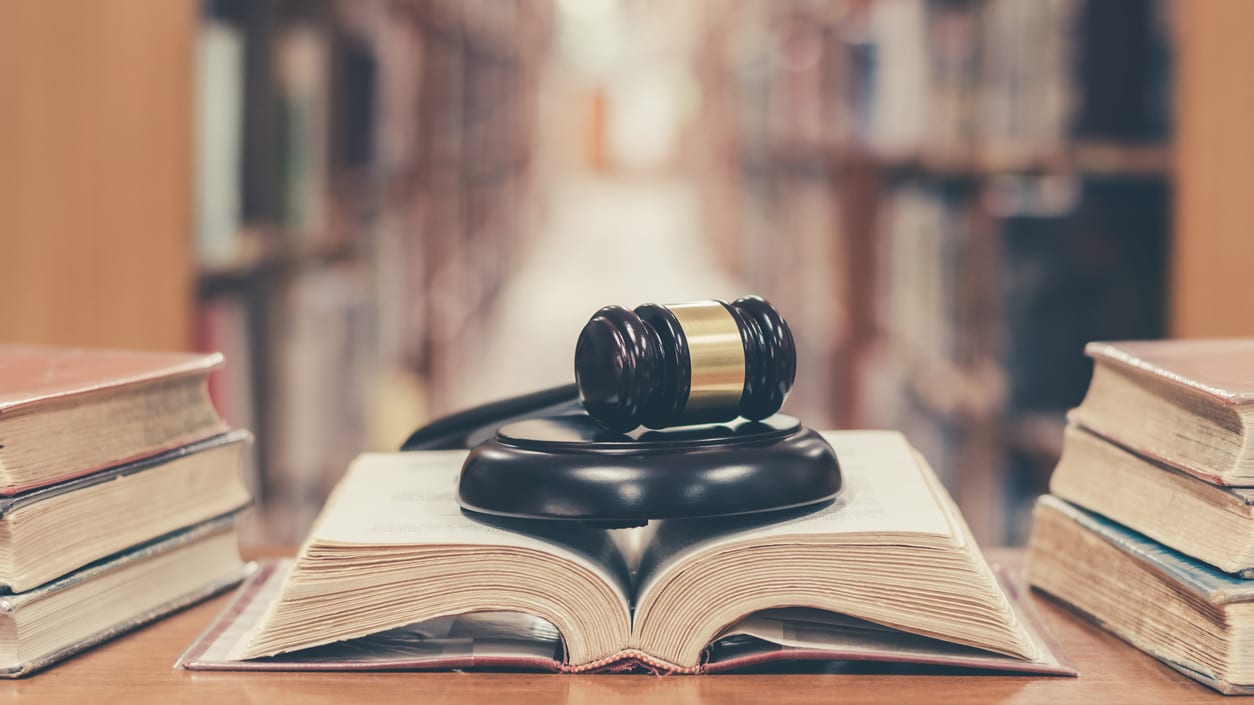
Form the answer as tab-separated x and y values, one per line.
137	669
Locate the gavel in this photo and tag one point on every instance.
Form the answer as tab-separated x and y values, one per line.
537	457
681	364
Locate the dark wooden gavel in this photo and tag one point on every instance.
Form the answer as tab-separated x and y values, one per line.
703	362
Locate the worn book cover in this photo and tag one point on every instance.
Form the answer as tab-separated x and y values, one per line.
66	412
1185	403
1220	368
1210	522
97	515
8	504
118	594
1193	581
37	375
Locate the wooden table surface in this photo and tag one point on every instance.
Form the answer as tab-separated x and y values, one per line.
136	668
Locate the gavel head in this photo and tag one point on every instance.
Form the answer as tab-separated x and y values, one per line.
702	362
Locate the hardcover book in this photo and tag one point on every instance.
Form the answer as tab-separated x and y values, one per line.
113	596
1195	618
1186	403
889	571
1211	523
66	412
50	531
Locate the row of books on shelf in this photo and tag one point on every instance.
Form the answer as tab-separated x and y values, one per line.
982	294
1148	528
928	119
263	134
303	114
309	383
985	295
362	173
1067	260
120	491
789	248
917	76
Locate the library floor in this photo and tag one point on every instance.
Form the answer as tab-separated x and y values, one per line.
603	240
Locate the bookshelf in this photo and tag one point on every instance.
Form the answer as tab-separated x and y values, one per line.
98	216
374	198
999	178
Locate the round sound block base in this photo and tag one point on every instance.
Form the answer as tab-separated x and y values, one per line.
569	468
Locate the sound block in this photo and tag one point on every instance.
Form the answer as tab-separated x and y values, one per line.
567	467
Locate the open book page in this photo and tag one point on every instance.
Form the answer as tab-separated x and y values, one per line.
392	547
455	640
794	634
885	494
520	641
801	628
891	549
409	499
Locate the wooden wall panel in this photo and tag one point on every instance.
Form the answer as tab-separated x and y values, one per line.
1213	258
95	171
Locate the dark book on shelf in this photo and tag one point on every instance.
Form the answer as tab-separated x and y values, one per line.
1086	264
356	71
1123	71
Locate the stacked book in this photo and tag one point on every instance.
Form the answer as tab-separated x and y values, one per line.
1149	529
119	486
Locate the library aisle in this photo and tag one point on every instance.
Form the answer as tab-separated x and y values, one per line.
406	208
603	240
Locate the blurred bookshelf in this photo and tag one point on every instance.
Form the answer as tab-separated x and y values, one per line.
970	189
363	170
414	198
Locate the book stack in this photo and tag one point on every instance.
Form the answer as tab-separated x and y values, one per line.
1149	527
119	487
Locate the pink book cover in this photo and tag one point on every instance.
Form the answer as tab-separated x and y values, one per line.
1222	369
523	643
35	377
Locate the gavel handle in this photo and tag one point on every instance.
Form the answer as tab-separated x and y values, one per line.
469	428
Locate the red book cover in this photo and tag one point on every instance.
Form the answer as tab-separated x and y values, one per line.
68	412
1220	368
1208	381
34	375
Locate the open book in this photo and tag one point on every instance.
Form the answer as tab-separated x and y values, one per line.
889	568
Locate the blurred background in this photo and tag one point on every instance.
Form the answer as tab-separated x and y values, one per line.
385	210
